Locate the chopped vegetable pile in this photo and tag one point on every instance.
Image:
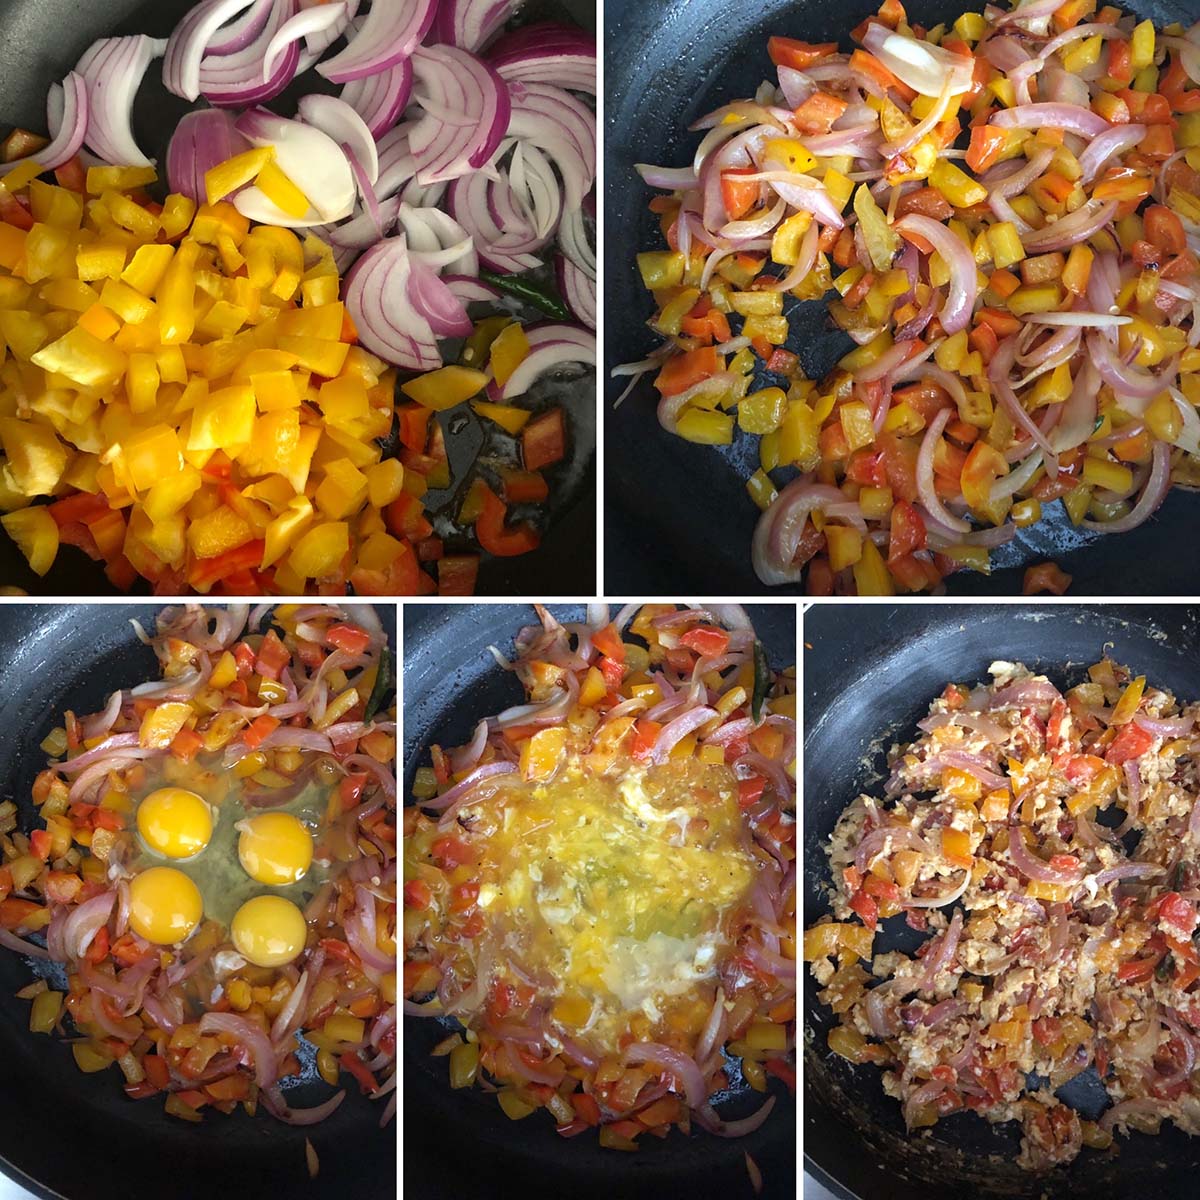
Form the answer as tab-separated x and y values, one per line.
212	876
1008	209
600	886
210	399
1062	830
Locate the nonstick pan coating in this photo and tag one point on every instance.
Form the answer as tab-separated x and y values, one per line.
63	1133
458	1144
40	41
678	517
870	672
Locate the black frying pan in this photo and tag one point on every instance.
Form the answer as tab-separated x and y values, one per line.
870	672
450	681
40	40
678	516
66	1134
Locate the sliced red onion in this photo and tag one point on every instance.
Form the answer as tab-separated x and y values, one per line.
1142	1106
960	299
998	370
252	1039
67	105
551	345
708	1118
470	24
976	765
887	838
122	742
434	301
308	21
1035	868
923	66
187	44
772	963
681	1065
1165	727
925	481
343	125
380	99
777	534
1131	383
365	229
85	921
470	290
466	110
360	932
562	126
1153	494
236	80
677	730
939	959
112	71
546	52
10	941
391	32
1075	227
1107	145
237	35
275	1104
1072	118
942	900
201	140
578	290
468	203
944	1010
464	786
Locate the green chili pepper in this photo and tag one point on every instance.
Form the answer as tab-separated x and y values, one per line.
383	685
530	292
762	681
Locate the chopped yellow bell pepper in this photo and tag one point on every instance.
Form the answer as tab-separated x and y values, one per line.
36	533
282	191
510	418
445	388
319	552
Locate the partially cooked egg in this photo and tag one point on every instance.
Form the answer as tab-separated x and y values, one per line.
164	905
274	848
175	822
269	931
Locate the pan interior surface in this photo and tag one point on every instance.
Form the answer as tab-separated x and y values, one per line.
870	673
667	63
450	682
63	1132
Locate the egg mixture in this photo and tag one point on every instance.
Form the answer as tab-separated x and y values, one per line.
616	885
201	851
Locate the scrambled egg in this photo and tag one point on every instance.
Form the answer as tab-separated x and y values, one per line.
616	885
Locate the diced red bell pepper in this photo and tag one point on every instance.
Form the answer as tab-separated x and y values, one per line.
739	194
350	639
544	440
259	730
1132	742
789	52
706	641
609	643
406	518
866	907
497	538
457	574
645	735
414	426
272	657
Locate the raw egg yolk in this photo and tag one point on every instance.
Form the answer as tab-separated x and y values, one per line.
175	822
274	848
164	905
269	931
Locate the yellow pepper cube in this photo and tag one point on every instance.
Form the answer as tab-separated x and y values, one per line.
224	419
323	322
153	455
176	215
343	491
762	411
705	428
141	382
235	172
282	191
54	205
845	546
1005	244
762	490
131	216
857	424
275	440
344	400
171	365
385	482
47	253
82	358
100	260
119	179
23	332
171	490
445	388
275	390
36	534
510	418
218	531
508	351
36	458
785	241
320	356
71	294
320	552
283	531
147	268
